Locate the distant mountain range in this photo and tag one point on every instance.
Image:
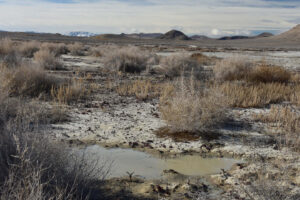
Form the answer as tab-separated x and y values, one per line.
178	35
175	35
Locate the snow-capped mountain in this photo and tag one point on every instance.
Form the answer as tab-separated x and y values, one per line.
80	34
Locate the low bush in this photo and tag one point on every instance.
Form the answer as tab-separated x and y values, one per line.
268	74
177	65
27	80
55	48
95	51
126	59
142	89
46	59
9	55
203	59
192	110
67	93
76	49
286	119
231	69
245	95
7	46
27	49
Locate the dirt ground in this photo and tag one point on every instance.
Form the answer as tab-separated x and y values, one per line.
111	120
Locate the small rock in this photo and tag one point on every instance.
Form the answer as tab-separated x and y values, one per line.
170	171
133	144
297	180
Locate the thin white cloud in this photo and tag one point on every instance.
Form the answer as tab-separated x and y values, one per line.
191	16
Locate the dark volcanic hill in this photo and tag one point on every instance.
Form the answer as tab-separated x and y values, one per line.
236	37
291	35
264	34
174	35
239	37
200	37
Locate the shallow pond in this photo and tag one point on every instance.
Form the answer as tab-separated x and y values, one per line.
150	167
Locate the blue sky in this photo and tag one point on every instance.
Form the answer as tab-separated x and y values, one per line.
209	17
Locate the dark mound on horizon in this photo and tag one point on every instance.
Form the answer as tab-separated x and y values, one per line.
240	37
200	37
174	35
264	34
236	37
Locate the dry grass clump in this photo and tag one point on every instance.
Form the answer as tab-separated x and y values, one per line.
96	51
192	110
203	59
7	46
26	80
287	120
76	49
56	48
46	59
268	74
126	59
230	69
174	66
70	92
28	49
245	95
142	89
9	55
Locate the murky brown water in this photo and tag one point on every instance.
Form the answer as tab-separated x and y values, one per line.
150	167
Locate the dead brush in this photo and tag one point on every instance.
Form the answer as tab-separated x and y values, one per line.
46	59
55	48
192	109
268	74
7	46
286	120
27	80
203	59
141	89
245	95
96	51
231	69
174	66
76	49
70	92
9	55
126	59
27	49
237	69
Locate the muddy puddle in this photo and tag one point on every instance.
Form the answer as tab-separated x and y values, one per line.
147	166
